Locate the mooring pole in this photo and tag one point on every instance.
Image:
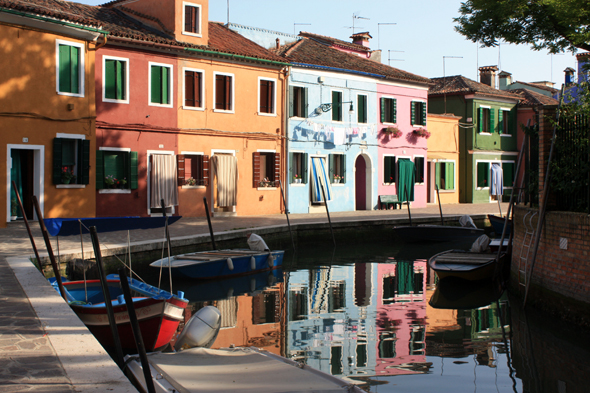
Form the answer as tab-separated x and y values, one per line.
442	222
54	265
20	203
287	214
107	297
209	222
145	365
167	242
328	213
408	202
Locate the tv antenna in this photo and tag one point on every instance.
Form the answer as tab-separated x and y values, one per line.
355	16
379	35
389	59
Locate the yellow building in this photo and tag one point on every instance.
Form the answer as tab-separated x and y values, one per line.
47	112
443	158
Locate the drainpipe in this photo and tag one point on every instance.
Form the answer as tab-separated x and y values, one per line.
286	125
100	45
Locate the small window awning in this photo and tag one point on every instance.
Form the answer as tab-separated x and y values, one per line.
319	179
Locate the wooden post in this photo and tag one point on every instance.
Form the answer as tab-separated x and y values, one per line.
209	222
328	213
287	214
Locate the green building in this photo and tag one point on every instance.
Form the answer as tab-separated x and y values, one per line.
487	131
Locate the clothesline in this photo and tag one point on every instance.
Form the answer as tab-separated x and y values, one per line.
336	135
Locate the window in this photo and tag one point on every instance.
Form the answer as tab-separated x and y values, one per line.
71	160
419	165
192	19
192	169
115	85
388	110
504	121
298	167
298	101
483	174
266	94
193	89
361	104
224	92
266	169
70	68
486	120
116	168
161	84
445	175
336	360
337	168
389	173
336	106
418	113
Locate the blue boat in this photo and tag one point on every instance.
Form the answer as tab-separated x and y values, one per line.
207	265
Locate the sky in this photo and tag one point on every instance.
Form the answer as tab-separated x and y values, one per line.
417	36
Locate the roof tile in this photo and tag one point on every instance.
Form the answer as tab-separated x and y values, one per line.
459	84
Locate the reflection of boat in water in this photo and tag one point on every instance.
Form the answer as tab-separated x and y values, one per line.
226	288
456	293
467	265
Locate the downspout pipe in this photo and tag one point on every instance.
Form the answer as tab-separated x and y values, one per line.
100	45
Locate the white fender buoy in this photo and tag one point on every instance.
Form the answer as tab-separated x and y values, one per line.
270	260
230	264
252	263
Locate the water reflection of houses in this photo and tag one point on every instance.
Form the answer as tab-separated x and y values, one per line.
359	320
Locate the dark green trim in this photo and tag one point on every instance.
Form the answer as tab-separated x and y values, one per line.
57	22
233	56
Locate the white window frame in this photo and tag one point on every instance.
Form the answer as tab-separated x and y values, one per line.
170	84
423	168
425	103
193	108
490	109
388	98
192	153
454	175
115	190
71	136
504	134
184	32
383	166
233	95
149	182
343	157
301	86
274	97
104	60
355	114
82	66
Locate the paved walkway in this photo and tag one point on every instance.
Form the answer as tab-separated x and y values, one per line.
45	348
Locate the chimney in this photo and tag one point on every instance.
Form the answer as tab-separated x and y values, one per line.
569	76
361	38
505	80
278	43
487	75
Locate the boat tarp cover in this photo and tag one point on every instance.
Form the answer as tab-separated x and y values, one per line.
71	226
243	370
407	173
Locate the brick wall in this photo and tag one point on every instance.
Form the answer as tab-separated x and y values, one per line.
560	281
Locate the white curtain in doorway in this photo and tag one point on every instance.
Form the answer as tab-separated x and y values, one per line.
319	180
226	172
163	181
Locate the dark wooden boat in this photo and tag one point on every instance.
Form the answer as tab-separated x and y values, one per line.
454	293
436	233
497	223
472	266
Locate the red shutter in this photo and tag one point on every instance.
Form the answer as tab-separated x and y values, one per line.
277	167
205	170
270	98
228	96
198	94
189	88
180	169
256	168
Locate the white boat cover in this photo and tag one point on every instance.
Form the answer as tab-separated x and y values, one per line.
256	243
241	370
466	222
481	244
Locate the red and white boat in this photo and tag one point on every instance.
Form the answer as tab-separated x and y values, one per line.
158	312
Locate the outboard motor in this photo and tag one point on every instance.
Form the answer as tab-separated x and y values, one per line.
201	330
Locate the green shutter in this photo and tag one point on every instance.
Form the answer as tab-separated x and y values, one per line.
450	176
382	104
336	106
291	169
121	75
291	101
389	169
64	70
165	85
437	174
413	106
492	122
304	103
343	167
500	121
480	119
362	109
394	110
156	80
483	169
331	167
75	69
110	79
99	169
423	113
508	172
57	152
84	162
133	179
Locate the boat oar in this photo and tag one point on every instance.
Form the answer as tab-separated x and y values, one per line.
442	222
20	203
107	297
209	222
145	365
54	265
328	213
287	214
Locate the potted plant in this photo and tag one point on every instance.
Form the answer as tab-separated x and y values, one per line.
122	182
191	181
337	178
422	132
110	181
67	175
297	178
392	131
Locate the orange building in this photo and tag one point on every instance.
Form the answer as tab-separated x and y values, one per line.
47	111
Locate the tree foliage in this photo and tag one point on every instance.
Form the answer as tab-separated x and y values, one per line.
556	25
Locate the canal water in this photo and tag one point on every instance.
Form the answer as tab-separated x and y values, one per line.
375	314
